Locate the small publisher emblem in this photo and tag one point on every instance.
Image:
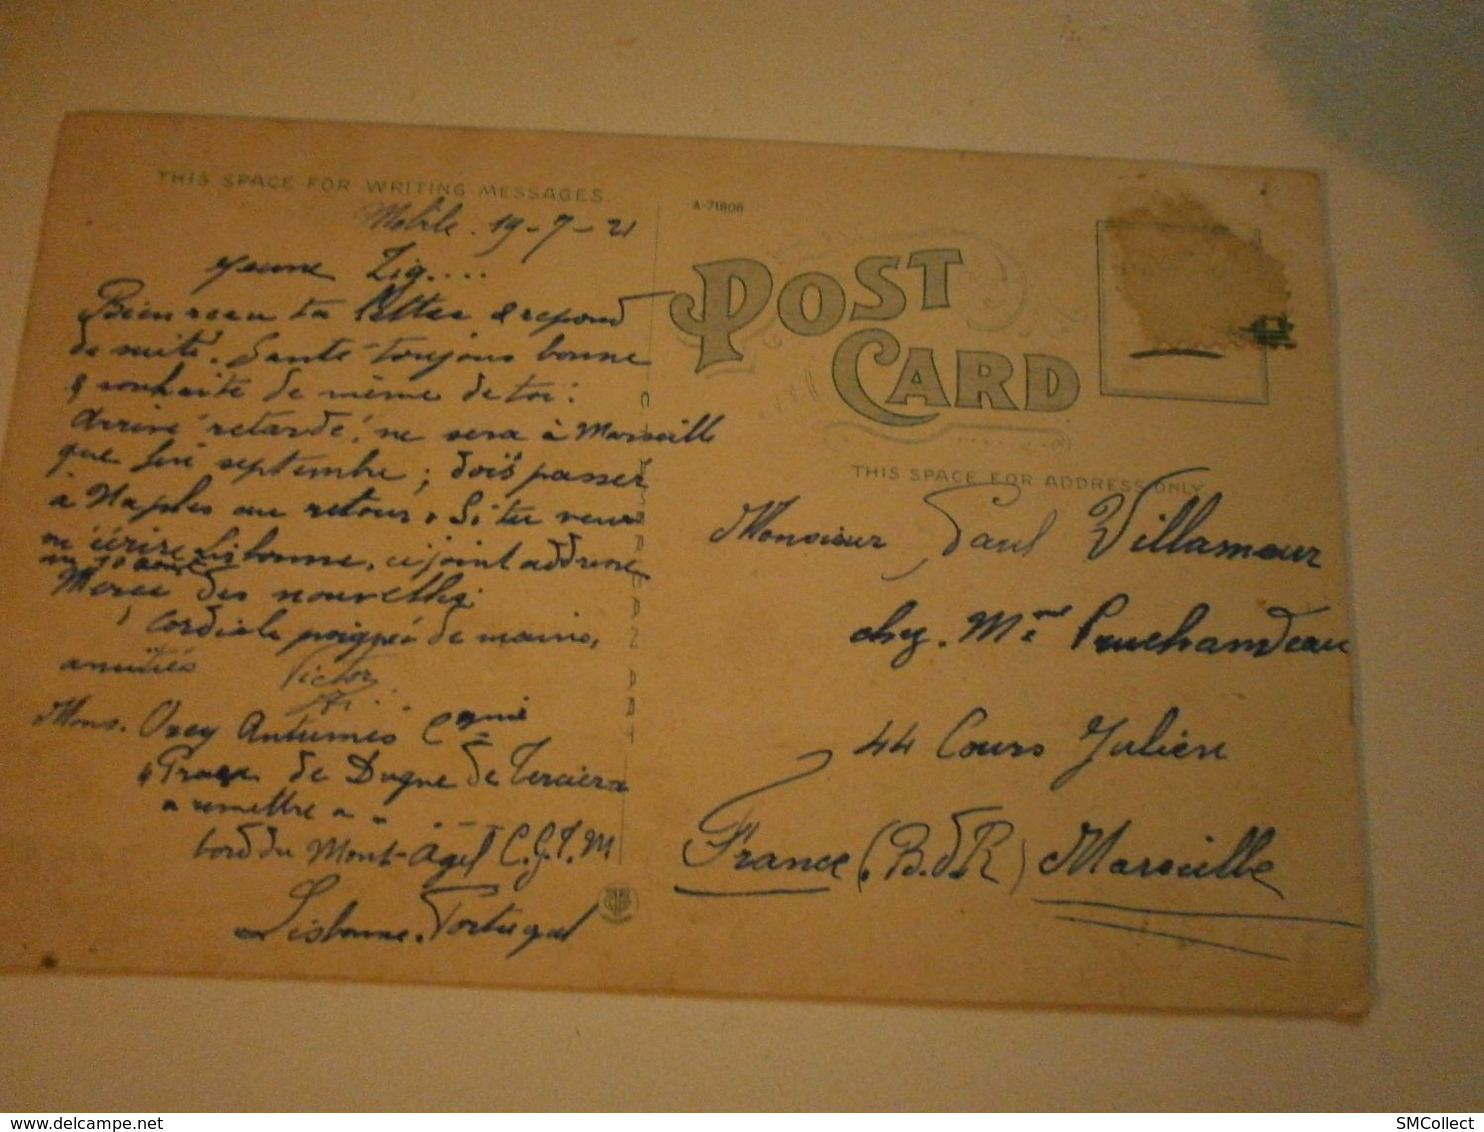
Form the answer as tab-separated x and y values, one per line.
617	904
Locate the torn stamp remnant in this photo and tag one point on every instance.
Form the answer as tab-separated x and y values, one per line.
1190	305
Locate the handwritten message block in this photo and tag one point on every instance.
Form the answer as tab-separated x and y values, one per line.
564	561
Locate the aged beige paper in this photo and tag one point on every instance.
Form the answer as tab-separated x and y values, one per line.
661	565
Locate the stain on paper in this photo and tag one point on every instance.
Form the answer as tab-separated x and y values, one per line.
1195	283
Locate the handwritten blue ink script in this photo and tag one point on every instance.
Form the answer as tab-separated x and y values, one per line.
593	562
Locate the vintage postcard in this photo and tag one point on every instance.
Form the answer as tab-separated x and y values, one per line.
549	560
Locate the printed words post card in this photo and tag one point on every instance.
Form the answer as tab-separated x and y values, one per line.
548	560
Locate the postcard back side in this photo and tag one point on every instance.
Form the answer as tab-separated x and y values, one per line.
569	561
